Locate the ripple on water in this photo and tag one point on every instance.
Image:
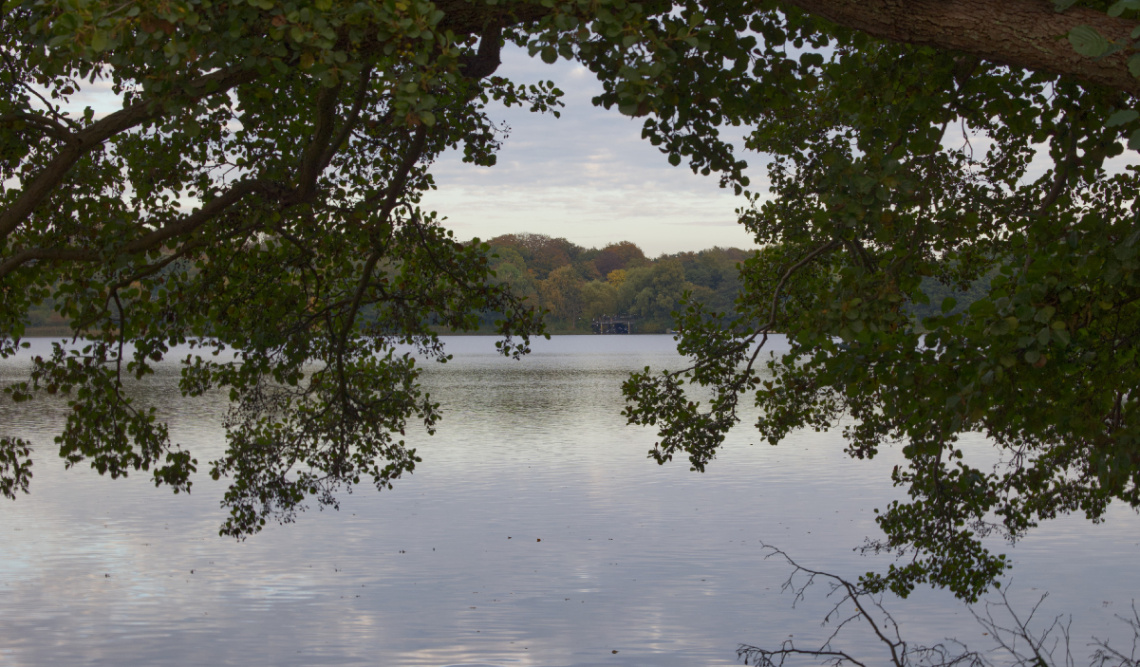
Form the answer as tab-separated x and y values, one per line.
535	533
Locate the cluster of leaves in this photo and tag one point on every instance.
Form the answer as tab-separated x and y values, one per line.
868	207
257	191
1088	41
576	285
258	188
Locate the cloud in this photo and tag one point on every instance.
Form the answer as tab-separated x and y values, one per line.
587	176
706	223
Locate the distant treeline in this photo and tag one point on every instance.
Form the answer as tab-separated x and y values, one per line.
43	320
577	285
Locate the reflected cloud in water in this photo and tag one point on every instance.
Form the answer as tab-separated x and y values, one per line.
534	534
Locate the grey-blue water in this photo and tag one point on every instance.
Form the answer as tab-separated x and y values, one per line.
535	533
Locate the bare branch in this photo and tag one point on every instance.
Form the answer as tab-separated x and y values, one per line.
1107	656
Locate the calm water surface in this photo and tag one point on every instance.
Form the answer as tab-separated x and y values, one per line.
535	533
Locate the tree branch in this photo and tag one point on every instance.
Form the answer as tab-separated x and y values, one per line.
47	126
353	116
148	241
1020	33
45	182
486	60
415	152
312	162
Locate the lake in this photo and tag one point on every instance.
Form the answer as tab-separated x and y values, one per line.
536	532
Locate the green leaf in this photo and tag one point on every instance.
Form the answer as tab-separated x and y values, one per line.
1122	117
1134	141
1117	8
99	41
1088	42
811	59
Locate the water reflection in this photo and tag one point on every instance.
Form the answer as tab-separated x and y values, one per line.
534	533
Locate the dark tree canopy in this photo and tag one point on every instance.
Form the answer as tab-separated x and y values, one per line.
543	253
616	256
894	165
258	191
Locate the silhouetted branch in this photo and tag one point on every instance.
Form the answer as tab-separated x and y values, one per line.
1106	656
1017	640
1017	643
855	606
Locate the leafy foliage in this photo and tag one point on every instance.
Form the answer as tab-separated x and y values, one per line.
576	285
868	207
257	192
209	212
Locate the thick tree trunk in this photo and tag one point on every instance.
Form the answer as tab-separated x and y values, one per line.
1022	33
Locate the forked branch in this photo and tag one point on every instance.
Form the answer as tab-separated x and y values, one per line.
1017	642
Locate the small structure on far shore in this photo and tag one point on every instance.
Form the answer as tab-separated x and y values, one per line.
612	324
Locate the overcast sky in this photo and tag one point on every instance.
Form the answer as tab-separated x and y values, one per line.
587	176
